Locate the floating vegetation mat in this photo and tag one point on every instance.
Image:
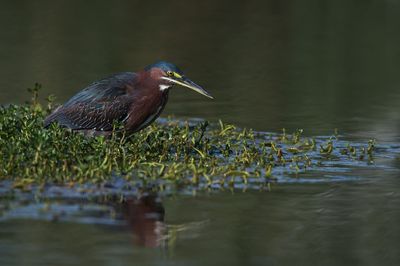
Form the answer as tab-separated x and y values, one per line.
171	154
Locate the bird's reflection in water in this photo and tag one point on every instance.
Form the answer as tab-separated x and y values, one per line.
145	217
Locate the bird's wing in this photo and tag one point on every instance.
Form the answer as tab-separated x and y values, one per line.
98	105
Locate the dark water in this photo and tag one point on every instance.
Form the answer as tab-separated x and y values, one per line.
316	65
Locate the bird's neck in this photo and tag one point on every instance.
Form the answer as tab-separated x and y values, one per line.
151	83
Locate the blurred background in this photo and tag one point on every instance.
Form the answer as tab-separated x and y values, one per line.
317	65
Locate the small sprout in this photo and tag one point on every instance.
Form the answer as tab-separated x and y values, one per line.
327	149
283	137
371	146
50	100
362	154
296	136
268	171
336	133
35	97
353	151
313	144
293	150
279	153
200	152
344	151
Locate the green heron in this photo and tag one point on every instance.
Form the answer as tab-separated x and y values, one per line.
133	99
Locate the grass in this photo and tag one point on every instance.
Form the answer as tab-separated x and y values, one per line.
176	152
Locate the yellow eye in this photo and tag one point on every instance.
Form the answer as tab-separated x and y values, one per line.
170	73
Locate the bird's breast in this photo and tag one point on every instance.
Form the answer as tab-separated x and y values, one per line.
145	110
151	118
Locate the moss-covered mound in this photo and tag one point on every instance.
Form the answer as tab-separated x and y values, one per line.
170	151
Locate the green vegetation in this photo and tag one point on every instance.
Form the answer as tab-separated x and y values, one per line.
172	151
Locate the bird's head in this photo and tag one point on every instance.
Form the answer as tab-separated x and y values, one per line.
168	75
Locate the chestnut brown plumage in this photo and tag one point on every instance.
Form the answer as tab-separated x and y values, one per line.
133	99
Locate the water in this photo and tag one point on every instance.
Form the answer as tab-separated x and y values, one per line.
316	65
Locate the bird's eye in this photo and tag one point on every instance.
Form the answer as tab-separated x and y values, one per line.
169	73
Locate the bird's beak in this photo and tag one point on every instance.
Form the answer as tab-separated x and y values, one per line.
185	82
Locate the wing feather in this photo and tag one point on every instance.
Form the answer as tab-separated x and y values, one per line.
98	105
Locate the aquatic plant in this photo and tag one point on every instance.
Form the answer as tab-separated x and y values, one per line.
182	153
